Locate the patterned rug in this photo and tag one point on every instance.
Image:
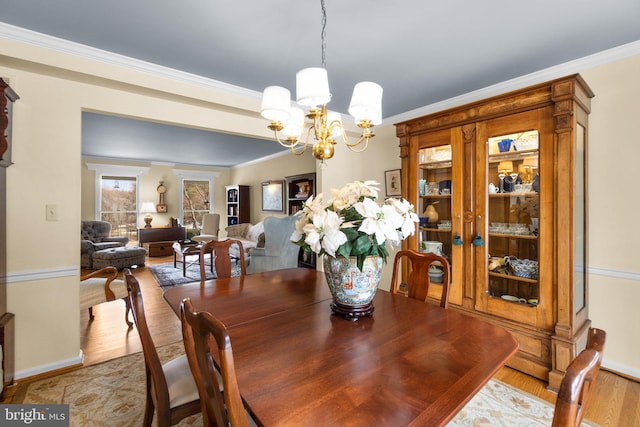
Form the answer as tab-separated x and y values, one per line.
112	394
168	277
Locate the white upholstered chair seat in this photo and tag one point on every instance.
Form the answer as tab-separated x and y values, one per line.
182	387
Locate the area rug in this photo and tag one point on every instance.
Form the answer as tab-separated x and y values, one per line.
113	394
168	277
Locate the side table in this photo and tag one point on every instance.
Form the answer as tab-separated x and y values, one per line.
186	252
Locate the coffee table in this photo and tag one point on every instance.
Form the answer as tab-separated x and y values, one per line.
186	252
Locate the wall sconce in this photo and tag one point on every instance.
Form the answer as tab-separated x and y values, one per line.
148	208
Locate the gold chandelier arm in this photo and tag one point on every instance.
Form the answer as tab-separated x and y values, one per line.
363	138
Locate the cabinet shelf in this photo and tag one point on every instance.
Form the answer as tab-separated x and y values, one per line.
436	164
512	277
435	230
513	236
511	194
436	196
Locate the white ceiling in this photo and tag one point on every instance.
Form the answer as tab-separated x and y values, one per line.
420	52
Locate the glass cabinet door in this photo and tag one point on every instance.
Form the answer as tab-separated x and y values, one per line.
434	208
513	217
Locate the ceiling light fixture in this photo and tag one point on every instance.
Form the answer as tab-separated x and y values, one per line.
312	90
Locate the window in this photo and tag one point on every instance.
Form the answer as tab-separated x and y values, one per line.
195	203
196	198
118	204
117	193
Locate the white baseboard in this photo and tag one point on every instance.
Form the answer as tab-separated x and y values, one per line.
60	364
621	369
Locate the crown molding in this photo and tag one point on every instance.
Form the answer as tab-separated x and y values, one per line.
572	67
33	38
22	35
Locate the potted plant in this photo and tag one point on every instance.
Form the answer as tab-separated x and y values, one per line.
353	231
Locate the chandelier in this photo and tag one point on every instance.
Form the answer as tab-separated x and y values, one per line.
288	123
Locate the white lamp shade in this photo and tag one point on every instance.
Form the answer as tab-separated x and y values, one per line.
276	103
293	127
366	102
148	207
312	87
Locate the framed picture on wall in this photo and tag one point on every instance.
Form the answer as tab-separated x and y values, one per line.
272	196
393	182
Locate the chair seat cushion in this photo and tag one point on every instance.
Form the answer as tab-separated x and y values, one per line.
92	291
180	382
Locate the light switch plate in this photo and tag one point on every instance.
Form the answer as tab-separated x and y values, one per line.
52	212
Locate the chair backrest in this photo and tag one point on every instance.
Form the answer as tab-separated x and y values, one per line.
220	258
204	335
418	280
576	389
211	224
153	366
95	230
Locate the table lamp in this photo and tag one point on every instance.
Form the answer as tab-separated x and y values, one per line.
528	165
503	169
147	209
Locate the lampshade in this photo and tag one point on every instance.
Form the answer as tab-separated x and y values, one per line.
506	166
312	87
148	207
530	162
366	102
295	124
276	103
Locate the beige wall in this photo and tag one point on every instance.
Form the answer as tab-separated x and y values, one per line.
274	169
614	231
43	259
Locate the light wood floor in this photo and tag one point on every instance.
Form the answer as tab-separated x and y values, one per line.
616	403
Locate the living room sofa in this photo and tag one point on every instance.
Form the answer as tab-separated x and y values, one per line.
278	251
251	236
96	236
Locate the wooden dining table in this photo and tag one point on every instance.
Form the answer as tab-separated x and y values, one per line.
411	363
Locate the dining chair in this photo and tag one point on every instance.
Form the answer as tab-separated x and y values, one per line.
220	258
171	392
204	336
579	382
418	280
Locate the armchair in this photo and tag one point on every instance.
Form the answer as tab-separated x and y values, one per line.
210	228
279	251
95	236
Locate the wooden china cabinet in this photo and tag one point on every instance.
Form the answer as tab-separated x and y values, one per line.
500	187
7	320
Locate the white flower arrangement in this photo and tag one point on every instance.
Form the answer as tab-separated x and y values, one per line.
352	223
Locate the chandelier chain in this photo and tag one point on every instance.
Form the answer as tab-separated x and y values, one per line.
324	33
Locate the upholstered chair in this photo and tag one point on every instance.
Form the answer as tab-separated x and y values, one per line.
95	236
279	251
102	286
210	228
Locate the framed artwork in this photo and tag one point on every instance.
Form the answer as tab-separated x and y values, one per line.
272	196
393	182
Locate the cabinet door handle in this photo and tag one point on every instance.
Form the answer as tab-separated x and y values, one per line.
477	240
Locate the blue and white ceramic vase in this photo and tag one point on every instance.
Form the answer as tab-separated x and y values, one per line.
352	290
